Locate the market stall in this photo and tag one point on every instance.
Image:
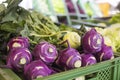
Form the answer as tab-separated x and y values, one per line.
38	46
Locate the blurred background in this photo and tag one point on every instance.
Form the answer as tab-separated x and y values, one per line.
67	11
64	10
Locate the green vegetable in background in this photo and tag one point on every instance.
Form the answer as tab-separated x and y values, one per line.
58	6
115	19
111	36
73	38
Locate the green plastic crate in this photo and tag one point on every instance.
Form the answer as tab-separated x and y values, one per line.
8	74
107	70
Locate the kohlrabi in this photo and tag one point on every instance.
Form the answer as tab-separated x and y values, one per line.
92	41
46	52
69	58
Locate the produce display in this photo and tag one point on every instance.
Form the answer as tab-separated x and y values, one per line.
37	47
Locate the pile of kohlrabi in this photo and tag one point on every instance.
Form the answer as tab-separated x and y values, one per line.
46	58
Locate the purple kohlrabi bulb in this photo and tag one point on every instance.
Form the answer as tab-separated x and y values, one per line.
18	42
46	52
18	58
36	69
88	59
92	41
105	54
69	58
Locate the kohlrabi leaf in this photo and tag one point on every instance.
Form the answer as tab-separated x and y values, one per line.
2	7
25	32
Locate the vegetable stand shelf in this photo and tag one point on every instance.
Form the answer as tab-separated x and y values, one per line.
106	70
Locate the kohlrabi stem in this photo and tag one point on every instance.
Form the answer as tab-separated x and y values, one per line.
31	41
66	41
77	64
22	61
51	50
48	35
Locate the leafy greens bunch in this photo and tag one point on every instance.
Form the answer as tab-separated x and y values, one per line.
17	21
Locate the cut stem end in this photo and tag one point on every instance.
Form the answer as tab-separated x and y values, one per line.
77	64
22	61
